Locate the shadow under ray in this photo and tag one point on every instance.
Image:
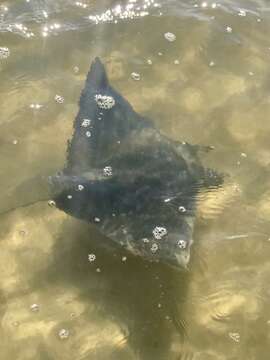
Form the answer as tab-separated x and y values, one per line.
144	298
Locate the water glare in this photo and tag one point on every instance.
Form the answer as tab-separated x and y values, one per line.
139	265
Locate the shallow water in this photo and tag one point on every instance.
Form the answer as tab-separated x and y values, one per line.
210	86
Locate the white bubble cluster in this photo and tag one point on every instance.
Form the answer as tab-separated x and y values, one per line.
135	76
88	134
229	29
107	171
34	307
63	334
91	257
159	232
104	101
170	36
4	52
234	336
182	244
154	248
59	99
86	122
242	12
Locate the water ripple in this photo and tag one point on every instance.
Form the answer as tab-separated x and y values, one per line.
40	18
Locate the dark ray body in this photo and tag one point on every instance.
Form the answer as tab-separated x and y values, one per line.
138	186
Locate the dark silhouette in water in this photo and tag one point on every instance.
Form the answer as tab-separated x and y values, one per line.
145	301
122	174
139	189
137	186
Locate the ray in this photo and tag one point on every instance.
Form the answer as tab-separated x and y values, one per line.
137	186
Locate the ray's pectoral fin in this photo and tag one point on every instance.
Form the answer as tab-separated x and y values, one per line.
104	119
191	153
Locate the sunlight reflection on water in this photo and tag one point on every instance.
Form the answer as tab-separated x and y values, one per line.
60	279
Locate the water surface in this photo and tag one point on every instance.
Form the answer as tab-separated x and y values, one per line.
210	86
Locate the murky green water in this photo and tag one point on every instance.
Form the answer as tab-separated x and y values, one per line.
209	86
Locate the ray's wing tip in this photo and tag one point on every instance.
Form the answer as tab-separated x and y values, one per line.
97	59
97	62
97	75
